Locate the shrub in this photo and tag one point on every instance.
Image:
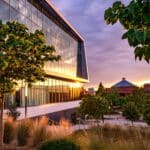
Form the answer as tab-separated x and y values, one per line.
12	111
61	131
64	123
94	106
60	144
40	132
147	117
133	140
131	112
96	144
8	131
74	118
23	132
147	112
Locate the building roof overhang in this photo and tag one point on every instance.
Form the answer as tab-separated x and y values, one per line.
49	7
65	77
123	84
60	20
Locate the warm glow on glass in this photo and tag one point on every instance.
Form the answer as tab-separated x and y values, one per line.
56	70
75	85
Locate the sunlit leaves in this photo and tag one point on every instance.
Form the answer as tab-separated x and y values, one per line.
117	6
135	18
94	106
111	14
22	55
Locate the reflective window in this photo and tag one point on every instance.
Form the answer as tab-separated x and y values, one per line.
51	90
4	11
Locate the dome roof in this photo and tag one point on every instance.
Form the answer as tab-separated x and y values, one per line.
123	83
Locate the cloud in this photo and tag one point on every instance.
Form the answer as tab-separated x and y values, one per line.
109	57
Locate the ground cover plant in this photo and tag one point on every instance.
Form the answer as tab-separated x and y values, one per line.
114	138
59	144
111	137
29	134
20	60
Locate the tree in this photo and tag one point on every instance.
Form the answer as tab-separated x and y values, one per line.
101	90
104	107
139	98
131	112
135	19
12	111
147	111
74	118
22	57
113	97
94	106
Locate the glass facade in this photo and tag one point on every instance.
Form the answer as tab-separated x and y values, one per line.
50	91
31	13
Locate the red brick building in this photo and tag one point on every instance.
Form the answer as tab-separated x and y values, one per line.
124	87
147	88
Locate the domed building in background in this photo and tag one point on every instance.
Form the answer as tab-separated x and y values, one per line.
124	87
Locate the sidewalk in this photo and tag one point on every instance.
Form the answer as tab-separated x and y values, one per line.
112	120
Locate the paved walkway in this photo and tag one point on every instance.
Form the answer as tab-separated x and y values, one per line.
112	120
120	120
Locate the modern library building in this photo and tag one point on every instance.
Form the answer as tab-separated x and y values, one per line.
66	77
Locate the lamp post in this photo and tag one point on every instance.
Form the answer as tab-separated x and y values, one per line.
26	98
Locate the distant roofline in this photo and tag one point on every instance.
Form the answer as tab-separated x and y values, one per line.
123	79
64	19
147	84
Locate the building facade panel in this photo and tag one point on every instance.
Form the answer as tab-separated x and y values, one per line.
147	88
40	15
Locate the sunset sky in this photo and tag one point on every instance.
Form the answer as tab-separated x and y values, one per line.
109	58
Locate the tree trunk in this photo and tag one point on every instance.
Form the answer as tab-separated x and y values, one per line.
103	118
132	123
99	129
1	122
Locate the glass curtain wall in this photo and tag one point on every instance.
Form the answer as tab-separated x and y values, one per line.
24	12
52	90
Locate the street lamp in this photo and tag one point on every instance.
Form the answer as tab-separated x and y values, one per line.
26	98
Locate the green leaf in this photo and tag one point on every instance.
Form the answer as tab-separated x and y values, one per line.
20	56
147	53
140	36
135	18
147	36
130	35
146	18
139	53
108	14
117	5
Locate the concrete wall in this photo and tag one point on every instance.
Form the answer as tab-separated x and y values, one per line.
56	110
